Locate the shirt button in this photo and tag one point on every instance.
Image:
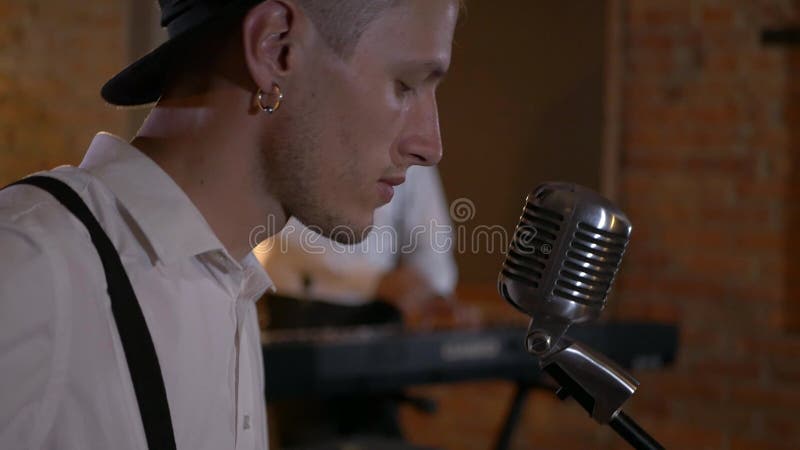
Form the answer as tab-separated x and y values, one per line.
246	422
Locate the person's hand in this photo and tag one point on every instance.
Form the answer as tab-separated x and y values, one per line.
407	289
421	305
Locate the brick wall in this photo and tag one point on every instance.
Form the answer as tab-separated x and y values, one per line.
54	56
707	175
792	114
711	121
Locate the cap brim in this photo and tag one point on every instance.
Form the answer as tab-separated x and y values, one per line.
143	81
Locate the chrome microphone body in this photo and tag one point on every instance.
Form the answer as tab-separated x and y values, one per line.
560	266
563	258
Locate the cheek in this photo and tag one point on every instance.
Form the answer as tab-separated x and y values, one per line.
359	121
376	124
373	101
367	127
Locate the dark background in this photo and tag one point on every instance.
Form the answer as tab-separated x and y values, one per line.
523	104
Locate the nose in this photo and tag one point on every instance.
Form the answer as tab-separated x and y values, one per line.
421	141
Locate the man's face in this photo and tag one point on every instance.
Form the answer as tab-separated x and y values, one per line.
353	126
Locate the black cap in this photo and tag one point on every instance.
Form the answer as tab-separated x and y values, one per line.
186	21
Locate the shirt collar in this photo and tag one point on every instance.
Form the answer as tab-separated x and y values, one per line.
168	218
257	281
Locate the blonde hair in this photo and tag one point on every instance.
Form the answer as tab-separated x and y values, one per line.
342	22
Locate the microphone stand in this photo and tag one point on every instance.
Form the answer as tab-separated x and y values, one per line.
595	382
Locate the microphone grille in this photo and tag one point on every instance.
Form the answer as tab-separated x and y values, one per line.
533	242
591	263
565	253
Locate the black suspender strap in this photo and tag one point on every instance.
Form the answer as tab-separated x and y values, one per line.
136	341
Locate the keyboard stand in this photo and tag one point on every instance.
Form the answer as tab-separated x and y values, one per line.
514	412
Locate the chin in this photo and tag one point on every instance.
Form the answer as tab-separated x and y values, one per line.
354	229
344	227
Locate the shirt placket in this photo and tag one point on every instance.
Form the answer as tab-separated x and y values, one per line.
245	426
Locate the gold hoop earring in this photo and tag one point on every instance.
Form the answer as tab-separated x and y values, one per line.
276	93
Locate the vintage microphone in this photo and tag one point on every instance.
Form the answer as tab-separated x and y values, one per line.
559	268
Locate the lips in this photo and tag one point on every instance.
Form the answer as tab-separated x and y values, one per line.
393	181
386	187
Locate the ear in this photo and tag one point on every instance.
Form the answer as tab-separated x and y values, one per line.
268	34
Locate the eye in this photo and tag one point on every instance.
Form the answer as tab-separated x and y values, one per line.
403	89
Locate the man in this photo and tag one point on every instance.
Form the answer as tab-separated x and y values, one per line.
265	110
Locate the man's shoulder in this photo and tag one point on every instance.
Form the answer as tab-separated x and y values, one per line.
36	234
34	226
34	210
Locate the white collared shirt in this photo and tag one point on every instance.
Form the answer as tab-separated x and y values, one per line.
414	228
64	380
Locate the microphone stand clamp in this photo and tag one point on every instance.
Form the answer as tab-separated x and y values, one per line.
598	384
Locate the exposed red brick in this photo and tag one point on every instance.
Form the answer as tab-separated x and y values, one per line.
785	370
675	385
729	368
720	15
746	443
787	426
651	311
776	346
761	397
724	416
675	435
655	15
708	177
679	288
39	133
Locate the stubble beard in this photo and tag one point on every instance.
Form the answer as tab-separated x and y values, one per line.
293	165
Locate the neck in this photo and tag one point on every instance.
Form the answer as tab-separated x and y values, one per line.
216	162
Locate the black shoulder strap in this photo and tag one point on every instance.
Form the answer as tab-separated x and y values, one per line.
136	341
